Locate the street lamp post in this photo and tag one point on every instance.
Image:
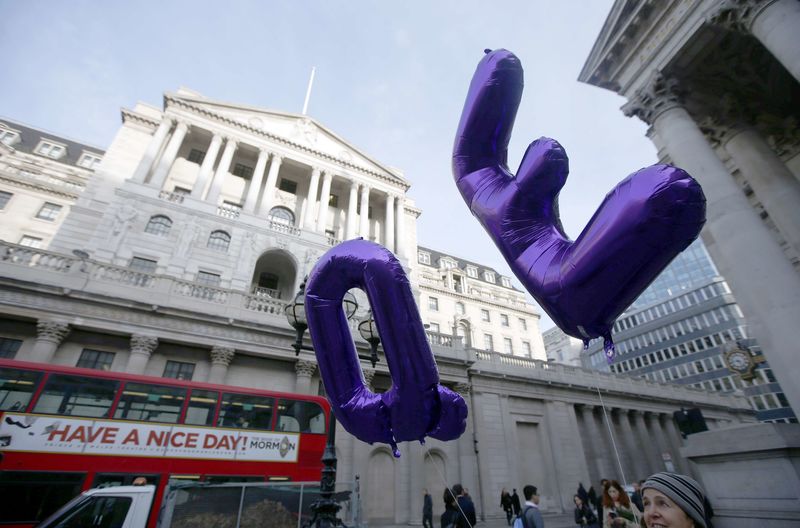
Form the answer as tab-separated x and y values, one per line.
325	508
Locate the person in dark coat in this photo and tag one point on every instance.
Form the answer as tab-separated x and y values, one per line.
465	505
451	518
515	503
505	504
427	510
584	516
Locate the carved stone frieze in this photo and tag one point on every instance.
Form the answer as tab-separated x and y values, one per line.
221	355
54	331
737	15
463	389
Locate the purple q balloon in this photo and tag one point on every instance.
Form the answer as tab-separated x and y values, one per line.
416	406
583	285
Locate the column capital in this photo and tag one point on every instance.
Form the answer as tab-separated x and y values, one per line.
656	97
463	388
369	375
143	344
217	138
231	141
53	331
737	15
221	355
305	367
276	158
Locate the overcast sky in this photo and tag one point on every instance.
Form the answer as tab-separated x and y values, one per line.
391	78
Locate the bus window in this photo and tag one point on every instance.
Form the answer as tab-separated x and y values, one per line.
300	417
150	403
225	479
96	512
30	496
246	412
110	480
17	388
76	396
201	407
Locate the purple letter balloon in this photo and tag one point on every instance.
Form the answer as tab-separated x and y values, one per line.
583	285
416	406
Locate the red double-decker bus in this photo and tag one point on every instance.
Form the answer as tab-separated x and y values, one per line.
64	430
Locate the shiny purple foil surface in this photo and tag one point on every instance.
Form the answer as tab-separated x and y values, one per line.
416	406
583	285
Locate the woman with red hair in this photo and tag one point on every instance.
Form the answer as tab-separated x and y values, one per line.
618	510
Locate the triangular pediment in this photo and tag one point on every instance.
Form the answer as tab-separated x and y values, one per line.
617	20
301	131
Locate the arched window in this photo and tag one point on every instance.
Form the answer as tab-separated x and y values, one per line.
219	240
281	215
158	225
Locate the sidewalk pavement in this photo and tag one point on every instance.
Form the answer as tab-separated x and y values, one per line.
551	520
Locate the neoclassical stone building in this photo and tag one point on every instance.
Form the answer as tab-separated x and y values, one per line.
717	83
182	246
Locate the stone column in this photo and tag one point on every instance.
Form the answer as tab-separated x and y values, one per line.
400	217
269	188
311	201
674	440
255	183
772	182
388	237
304	369
416	481
146	163
369	375
467	460
49	335
168	158
658	437
607	456
141	348
221	358
222	171
765	284
632	446
206	167
364	227
324	198
351	211
646	443
773	22
595	447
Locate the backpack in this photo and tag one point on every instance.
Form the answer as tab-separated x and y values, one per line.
519	521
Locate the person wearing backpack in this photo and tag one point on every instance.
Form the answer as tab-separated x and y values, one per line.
451	518
530	517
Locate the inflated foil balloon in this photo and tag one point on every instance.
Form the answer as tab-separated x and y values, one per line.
583	285
416	406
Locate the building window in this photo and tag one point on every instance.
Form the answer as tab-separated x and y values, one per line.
434	327
488	276
51	150
288	186
49	211
523	324
196	156
9	347
526	349
95	359
503	320
423	257
219	240
158	225
508	347
31	241
5	197
447	263
505	282
179	370
485	316
460	308
433	304
183	191
244	171
208	279
333	200
88	161
143	265
488	342
8	137
281	215
472	271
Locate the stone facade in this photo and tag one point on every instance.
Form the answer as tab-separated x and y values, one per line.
164	292
717	83
562	348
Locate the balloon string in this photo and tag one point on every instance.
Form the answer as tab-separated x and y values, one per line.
450	491
614	445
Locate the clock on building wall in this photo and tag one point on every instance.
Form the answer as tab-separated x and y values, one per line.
740	361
